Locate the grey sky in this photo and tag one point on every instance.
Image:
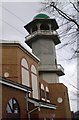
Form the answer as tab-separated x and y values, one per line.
17	14
25	11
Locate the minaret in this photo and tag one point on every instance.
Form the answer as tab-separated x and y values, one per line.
42	39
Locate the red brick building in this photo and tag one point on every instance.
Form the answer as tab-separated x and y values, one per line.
29	82
20	84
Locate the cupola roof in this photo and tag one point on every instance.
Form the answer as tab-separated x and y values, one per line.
42	19
41	16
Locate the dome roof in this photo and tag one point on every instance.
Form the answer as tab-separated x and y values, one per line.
41	16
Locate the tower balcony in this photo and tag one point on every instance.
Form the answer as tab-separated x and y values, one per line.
46	34
58	69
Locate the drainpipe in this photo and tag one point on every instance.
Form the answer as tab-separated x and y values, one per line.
27	107
31	111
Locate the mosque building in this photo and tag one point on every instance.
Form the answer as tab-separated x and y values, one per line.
29	80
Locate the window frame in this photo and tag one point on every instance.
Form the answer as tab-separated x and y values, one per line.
34	74
24	68
10	106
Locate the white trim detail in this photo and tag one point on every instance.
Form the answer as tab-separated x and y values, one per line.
43	99
42	86
25	72
47	106
14	86
48	101
33	69
24	63
34	81
47	90
6	74
40	104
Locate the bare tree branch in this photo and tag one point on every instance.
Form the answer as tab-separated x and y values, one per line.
63	14
74	7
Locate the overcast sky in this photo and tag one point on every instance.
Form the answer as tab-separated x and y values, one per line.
17	14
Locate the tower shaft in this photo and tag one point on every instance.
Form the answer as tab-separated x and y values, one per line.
42	39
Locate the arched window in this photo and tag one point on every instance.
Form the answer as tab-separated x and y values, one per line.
47	94
42	92
34	81
34	28
44	27
25	72
12	106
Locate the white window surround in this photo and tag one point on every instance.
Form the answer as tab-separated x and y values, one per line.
25	77
48	100
42	86
43	99
33	69
24	63
47	89
25	72
34	81
34	86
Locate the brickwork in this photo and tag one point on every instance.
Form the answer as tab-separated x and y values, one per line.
7	94
59	90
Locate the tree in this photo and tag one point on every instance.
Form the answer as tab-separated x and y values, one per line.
68	19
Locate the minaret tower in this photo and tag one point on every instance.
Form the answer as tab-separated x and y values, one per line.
42	39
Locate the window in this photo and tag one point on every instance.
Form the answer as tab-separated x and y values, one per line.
42	92
34	29
12	106
34	81
25	72
44	27
47	93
